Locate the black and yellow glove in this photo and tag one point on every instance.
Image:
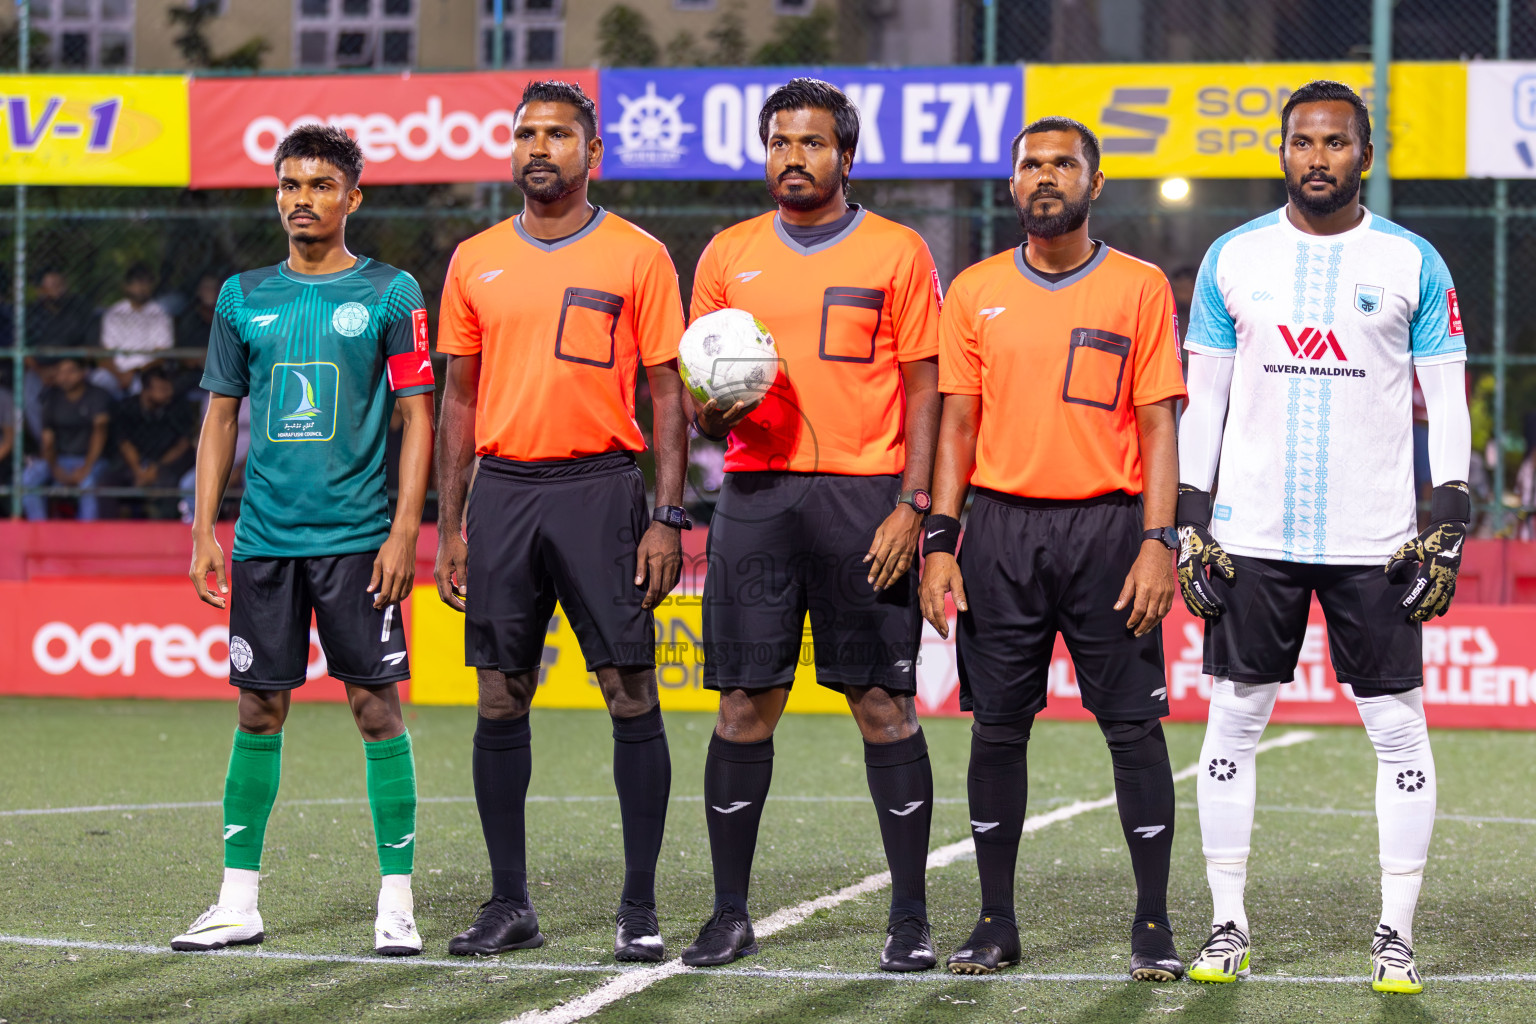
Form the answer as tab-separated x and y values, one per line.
1437	551
1198	551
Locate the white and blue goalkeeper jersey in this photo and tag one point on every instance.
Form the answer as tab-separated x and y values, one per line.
1317	452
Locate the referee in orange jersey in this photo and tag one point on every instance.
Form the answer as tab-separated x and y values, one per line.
1059	366
546	319
824	498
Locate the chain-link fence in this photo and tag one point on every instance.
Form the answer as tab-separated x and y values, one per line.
80	243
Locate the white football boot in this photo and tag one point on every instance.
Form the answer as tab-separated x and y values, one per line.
219	927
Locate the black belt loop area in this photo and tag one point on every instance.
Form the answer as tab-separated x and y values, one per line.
558	469
1048	504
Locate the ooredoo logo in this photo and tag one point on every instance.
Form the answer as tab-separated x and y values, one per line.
418	136
174	650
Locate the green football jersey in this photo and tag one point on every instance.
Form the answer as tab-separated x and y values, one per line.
321	357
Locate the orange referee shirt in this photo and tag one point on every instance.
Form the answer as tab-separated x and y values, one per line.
844	314
560	327
1060	367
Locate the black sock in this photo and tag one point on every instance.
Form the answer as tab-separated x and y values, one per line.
998	784
736	778
1144	792
901	782
502	765
642	773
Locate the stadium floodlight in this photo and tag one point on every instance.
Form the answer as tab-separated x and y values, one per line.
1175	190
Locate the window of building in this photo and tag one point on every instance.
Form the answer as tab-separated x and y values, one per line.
531	33
83	34
355	33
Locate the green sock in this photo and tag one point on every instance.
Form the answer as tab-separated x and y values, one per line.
250	788
392	797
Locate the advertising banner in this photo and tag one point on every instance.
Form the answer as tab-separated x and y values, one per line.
696	124
151	637
1223	120
127	637
413	128
93	130
1501	119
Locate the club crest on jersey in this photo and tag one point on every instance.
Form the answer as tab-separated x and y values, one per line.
350	319
1312	342
1368	299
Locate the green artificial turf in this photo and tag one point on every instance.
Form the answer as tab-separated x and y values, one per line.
138	877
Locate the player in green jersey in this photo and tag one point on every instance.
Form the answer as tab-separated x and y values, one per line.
323	345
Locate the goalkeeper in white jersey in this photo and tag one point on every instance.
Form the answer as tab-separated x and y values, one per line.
1307	328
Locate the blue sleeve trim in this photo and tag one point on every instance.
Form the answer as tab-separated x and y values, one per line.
1430	329
1210	321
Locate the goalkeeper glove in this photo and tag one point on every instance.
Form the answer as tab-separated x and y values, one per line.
1437	551
1198	551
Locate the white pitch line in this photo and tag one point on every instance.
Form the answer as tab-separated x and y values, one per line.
1353	812
762	973
629	984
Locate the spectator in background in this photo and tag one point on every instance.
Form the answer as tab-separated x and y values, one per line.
1525	481
1182	279
7	435
135	323
192	329
76	417
154	431
57	319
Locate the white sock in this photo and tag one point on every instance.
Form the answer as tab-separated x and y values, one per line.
1227	790
239	889
395	894
1405	800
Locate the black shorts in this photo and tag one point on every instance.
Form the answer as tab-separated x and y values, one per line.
561	530
783	545
271	600
1258	638
1034	568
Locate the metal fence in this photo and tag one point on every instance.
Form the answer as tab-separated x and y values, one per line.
1486	230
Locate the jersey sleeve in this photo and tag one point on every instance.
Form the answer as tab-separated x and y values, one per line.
658	309
458	327
227	370
407	360
916	305
708	284
1436	328
1158	372
959	349
1211	327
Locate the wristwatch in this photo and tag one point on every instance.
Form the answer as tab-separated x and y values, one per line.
1168	535
920	500
672	515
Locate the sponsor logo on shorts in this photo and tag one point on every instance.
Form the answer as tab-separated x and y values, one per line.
394	659
240	653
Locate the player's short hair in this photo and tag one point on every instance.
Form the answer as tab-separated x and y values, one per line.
322	142
814	94
1323	90
1061	124
555	91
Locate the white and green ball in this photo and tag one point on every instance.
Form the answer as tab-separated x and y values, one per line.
728	355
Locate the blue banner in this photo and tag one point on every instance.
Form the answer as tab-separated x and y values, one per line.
701	124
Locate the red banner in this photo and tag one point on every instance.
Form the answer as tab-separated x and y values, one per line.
413	129
125	638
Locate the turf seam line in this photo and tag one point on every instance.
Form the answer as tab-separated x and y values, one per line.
615	989
766	973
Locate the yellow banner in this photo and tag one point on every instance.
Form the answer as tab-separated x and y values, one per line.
1223	120
438	675
94	130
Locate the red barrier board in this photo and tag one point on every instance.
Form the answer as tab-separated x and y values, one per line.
126	638
151	637
413	128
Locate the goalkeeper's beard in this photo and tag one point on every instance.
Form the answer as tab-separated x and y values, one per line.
555	189
1070	217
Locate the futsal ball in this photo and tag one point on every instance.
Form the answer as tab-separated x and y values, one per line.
728	355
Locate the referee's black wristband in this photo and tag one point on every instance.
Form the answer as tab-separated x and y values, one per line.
941	535
706	435
1194	507
1450	502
